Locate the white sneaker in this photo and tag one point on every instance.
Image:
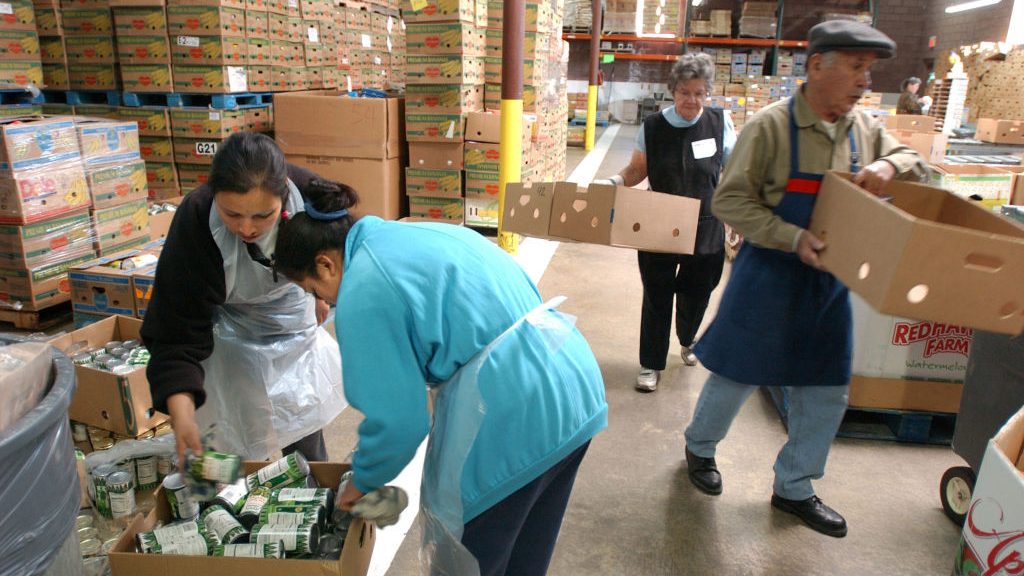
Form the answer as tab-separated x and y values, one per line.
688	357
647	380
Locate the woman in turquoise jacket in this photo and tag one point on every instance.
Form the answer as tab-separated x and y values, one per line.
517	393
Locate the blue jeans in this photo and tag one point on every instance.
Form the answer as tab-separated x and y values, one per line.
815	413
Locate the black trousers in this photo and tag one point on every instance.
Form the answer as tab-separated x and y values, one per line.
517	535
690	279
312	447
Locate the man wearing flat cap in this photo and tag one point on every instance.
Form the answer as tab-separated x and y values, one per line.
783	320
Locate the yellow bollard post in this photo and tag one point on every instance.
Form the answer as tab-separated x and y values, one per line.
510	164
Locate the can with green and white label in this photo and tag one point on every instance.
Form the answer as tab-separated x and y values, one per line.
193	545
254	503
101	498
121	492
146	472
291	468
220	523
270	550
215	467
293	514
175	537
233	497
322	496
302	539
179	497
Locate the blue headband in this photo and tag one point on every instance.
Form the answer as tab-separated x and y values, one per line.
325	216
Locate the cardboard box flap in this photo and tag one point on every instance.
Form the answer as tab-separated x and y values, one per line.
641	219
528	208
925	254
327	123
577	213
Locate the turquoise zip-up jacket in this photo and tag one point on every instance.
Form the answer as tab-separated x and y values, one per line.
416	303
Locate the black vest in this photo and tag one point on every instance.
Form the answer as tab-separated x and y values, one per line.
671	168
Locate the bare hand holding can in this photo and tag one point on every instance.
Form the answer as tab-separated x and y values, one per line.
182	409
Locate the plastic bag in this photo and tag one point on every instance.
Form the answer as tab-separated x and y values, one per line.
24	374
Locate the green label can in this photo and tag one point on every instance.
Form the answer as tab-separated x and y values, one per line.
101	498
291	468
179	497
180	538
294	514
233	497
302	539
122	494
146	472
222	524
322	496
270	550
215	467
254	504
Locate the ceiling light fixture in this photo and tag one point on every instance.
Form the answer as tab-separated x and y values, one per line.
965	6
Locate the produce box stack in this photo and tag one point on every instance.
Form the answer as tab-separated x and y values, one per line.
197	132
156	147
20	62
144	50
758	20
44	211
446	42
51	47
89	45
209	50
116	178
482	161
620	17
320	44
660	16
550	74
286	49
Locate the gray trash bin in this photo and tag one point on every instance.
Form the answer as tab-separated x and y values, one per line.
39	490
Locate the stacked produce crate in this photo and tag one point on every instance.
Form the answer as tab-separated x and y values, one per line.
660	17
20	53
758	20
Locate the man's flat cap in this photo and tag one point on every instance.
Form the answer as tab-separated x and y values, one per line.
848	36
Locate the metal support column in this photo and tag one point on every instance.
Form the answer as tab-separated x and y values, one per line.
510	165
595	58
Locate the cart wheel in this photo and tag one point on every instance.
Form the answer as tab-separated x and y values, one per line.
955	492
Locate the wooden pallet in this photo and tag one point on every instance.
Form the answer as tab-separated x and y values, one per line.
37	319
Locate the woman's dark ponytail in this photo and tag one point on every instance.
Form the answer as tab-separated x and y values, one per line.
302	236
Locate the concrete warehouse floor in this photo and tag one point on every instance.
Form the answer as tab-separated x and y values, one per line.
633	510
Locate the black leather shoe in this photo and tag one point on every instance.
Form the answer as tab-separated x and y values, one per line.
704	473
814	513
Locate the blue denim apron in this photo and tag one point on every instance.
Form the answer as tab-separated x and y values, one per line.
781	322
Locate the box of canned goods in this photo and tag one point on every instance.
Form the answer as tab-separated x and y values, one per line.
160	543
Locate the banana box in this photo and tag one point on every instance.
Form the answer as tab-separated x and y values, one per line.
259	118
538	16
117	183
121	227
284	7
436	183
259	77
206	123
260	5
39	288
93	76
152	120
55	77
435	127
156	148
19	44
37	143
471	11
257	24
445	38
21	72
147	77
481	184
532	45
492	97
17	15
209	50
207	79
316	55
161	176
205	21
286	78
97	49
46	242
193	176
87	21
140	21
486	157
437	208
143	50
492	71
103	141
35	195
444	69
444	98
288	28
287	54
48	21
482	211
194	151
259	55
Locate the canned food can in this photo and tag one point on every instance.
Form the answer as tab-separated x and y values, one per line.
118	352
100	444
311	482
133	343
219	522
146	473
232	497
270	550
88	533
90	548
321	496
123	369
81	359
108	545
215	466
112	363
179	497
329	547
293	515
170	534
164	465
254	503
101	359
111	345
83	521
101	498
122	494
126	465
192	545
291	468
139	261
302	539
79	432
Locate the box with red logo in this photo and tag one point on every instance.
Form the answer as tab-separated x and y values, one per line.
152	120
923	253
445	38
210	79
259	52
87	21
206	123
195	150
435	127
257	24
147	21
121	227
93	76
162	179
39	288
431	182
444	98
97	49
470	11
17	15
143	50
205	21
156	148
147	77
994	530
32	195
209	50
117	183
441	209
444	69
192	176
19	45
46	243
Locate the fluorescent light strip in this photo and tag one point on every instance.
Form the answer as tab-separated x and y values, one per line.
965	6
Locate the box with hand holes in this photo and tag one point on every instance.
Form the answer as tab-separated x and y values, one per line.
118	403
923	253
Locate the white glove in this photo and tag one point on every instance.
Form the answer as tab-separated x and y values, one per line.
383	506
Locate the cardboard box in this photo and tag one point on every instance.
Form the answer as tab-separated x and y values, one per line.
444	98
90	49
444	69
482	211
140	21
435	127
209	50
207	79
143	50
441	209
486	127
991	184
159	225
486	157
445	38
930	145
147	77
373	126
482	184
48	21
121	227
51	50
436	155
30	144
93	76
257	24
156	148
260	77
161	176
21	72
377	181
912	122
195	150
192	176
117	183
431	182
897	394
101	288
87	21
354	561
259	53
31	196
532	48
152	120
287	54
995	520
103	141
19	44
47	242
470	11
39	288
925	254
205	21
206	123
17	15
287	79
1017	194
121	404
285	28
259	119
1000	131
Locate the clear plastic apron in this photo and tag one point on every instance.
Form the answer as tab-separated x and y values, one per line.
458	414
274	376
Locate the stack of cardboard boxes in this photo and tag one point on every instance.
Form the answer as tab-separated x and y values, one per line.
372	49
660	16
51	44
482	161
19	45
143	49
619	17
758	20
446	44
89	45
44	209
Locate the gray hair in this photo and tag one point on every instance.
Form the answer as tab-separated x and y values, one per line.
689	66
